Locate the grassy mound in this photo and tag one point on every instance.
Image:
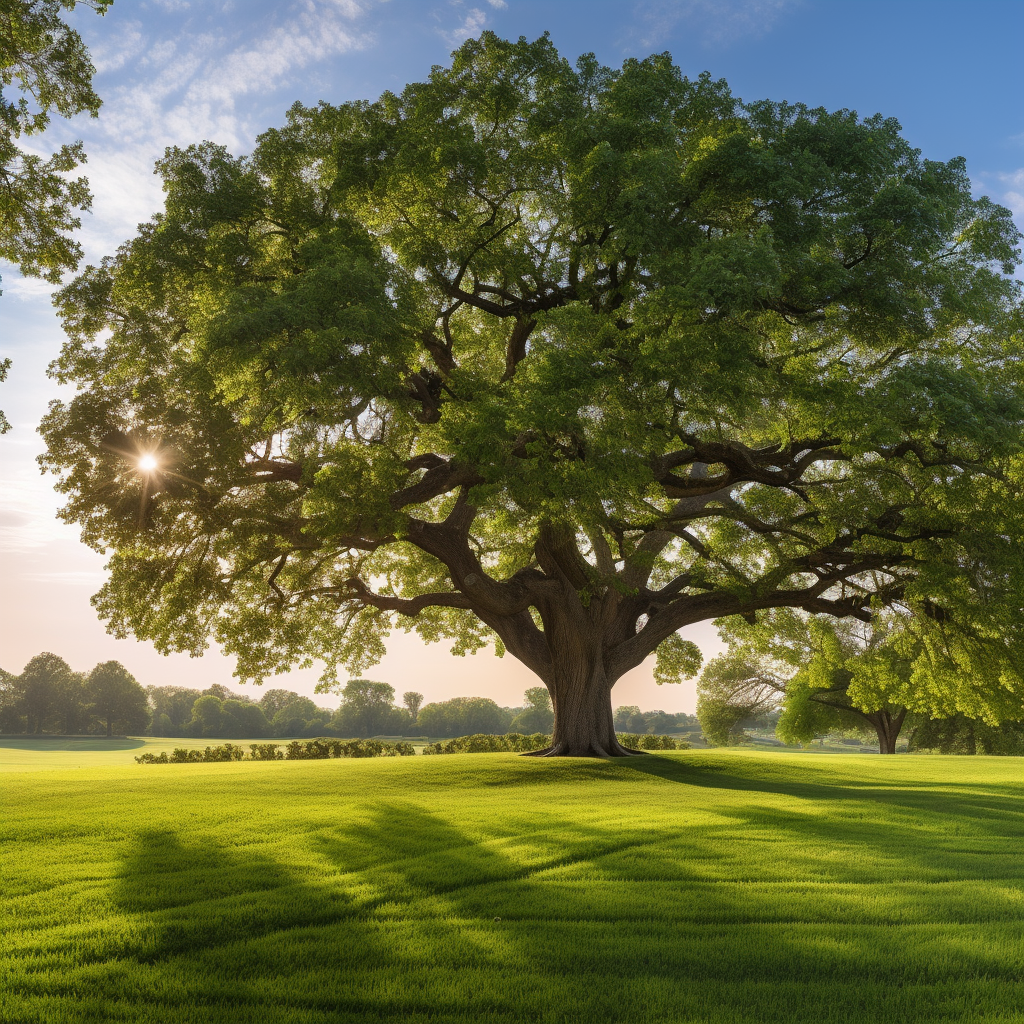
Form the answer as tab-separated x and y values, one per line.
728	886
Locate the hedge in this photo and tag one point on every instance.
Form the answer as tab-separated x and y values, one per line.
297	750
484	743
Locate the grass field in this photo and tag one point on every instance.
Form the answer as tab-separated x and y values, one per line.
727	886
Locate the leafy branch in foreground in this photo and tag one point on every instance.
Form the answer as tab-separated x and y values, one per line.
48	64
559	359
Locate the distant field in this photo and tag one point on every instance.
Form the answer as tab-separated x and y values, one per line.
725	886
29	753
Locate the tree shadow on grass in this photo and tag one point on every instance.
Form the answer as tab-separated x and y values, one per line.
83	744
401	914
977	800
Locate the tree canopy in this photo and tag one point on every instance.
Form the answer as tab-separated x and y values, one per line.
48	65
829	674
117	698
557	358
45	60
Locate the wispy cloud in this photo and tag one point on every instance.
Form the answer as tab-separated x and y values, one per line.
1005	187
717	23
25	288
197	81
473	22
1013	197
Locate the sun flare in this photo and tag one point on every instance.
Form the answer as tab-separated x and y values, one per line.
147	463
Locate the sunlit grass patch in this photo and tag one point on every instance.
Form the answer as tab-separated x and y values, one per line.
693	886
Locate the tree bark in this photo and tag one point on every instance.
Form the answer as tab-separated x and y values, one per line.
581	695
888	728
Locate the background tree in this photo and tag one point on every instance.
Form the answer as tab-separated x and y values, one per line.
368	709
538	716
47	63
963	735
823	676
222	693
173	703
70	703
207	717
562	359
626	717
10	713
463	716
115	697
36	689
244	719
272	701
412	702
298	717
735	690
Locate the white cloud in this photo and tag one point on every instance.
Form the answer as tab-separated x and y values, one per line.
498	5
111	52
184	77
472	25
26	288
717	23
1013	197
1005	187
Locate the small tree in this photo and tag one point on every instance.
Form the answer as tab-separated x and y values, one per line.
367	708
412	702
463	716
70	702
115	695
207	717
538	716
559	359
37	690
733	689
171	708
273	700
243	719
10	711
821	675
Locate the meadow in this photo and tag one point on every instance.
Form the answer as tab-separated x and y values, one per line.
710	886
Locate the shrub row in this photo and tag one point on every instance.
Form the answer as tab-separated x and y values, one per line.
316	749
484	743
297	750
645	742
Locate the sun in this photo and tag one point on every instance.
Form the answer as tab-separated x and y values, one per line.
147	463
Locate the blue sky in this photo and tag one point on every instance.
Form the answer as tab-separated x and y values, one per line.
173	72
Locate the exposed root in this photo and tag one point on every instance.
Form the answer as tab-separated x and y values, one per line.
565	750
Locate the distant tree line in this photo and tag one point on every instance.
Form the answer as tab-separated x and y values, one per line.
49	697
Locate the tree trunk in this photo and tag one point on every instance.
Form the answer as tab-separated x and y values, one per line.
888	728
581	695
110	727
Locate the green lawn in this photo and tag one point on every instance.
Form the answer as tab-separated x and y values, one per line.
694	886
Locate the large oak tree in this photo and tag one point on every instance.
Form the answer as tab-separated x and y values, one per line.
562	359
